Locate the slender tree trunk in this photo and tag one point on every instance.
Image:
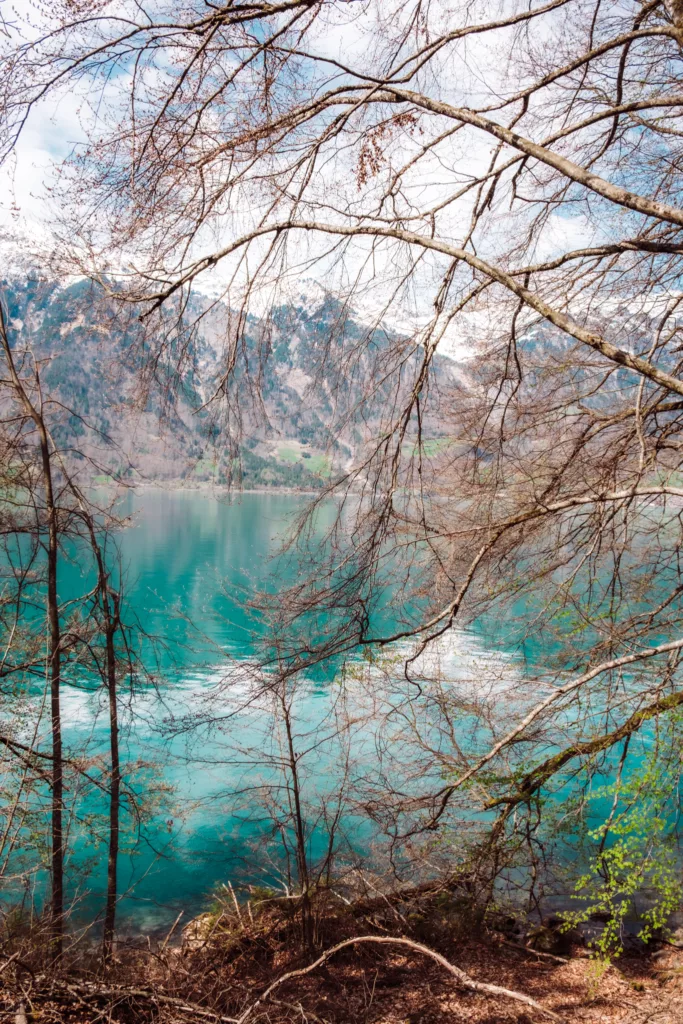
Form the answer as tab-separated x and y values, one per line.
110	612
54	645
115	785
302	859
54	655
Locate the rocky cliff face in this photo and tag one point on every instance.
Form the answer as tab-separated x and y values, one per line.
301	376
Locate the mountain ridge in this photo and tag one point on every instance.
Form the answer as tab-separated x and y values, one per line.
303	413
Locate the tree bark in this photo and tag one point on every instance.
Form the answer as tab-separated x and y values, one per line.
110	612
115	785
54	645
54	656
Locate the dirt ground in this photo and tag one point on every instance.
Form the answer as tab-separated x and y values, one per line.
360	985
400	989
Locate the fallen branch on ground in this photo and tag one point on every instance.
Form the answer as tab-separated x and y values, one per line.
464	979
90	990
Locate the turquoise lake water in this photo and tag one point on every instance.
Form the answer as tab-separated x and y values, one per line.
191	562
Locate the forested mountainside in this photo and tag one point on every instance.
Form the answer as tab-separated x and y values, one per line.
303	410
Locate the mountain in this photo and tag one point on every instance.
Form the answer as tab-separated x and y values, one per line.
141	407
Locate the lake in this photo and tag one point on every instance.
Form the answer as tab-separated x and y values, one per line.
202	755
191	561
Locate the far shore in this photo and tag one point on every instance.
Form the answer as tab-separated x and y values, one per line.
203	486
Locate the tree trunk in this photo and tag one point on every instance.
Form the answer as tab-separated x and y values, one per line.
54	660
110	613
54	657
302	859
115	785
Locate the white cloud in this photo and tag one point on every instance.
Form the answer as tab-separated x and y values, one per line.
53	129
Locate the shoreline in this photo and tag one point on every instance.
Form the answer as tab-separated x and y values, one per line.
202	487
